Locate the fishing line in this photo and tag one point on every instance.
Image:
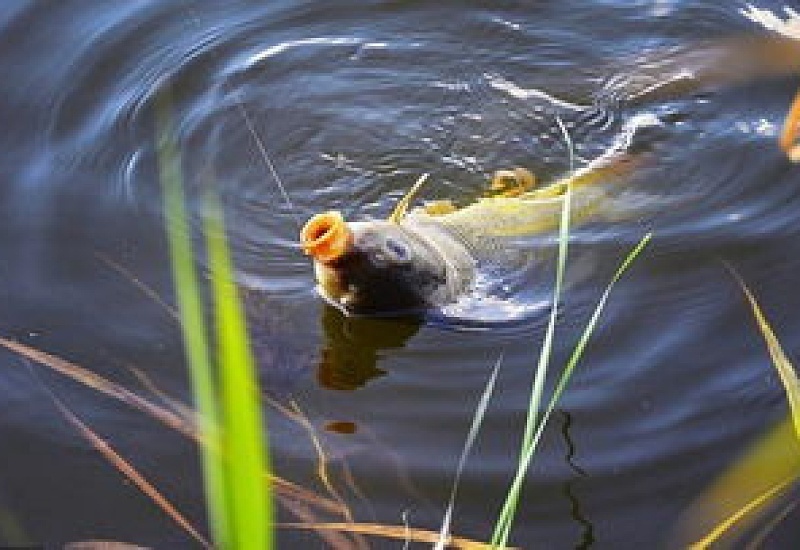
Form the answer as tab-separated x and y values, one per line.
266	158
260	146
568	142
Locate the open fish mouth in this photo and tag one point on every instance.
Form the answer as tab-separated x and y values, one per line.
326	237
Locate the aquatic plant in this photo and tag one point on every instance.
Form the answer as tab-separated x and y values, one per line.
226	392
535	422
477	420
753	483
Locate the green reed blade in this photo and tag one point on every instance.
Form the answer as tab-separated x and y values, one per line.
580	347
477	420
769	467
784	367
503	528
506	517
244	441
193	322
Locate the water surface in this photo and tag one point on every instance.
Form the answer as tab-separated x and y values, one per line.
352	101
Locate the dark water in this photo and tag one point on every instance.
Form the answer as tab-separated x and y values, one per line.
352	101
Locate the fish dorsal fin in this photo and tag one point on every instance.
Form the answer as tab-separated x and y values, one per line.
400	210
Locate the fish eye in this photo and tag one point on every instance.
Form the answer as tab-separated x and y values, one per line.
398	250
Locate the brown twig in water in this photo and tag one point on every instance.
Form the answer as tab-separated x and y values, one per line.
335	539
175	405
399	532
149	292
322	459
102	385
281	486
350	481
127	469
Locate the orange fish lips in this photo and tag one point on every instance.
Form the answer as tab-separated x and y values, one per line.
326	237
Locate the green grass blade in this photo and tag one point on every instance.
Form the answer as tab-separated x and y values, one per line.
788	376
244	443
477	420
506	517
580	347
503	526
192	318
577	353
762	464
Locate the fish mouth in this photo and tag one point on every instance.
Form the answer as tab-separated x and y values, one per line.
326	237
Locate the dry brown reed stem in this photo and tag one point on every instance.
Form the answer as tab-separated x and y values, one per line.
149	292
129	471
296	415
102	545
102	385
281	486
178	407
400	532
335	539
322	458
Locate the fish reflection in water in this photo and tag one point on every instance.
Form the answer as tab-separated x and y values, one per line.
352	347
349	353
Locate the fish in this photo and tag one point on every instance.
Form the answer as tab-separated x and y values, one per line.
423	258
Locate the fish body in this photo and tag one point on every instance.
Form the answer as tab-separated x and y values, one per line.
535	211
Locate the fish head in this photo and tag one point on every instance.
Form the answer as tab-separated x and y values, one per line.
373	267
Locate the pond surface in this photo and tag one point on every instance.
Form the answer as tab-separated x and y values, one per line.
351	102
